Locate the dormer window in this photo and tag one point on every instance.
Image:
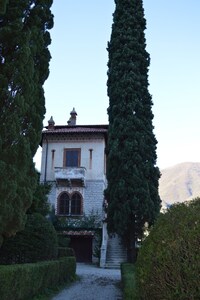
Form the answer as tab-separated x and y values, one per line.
72	157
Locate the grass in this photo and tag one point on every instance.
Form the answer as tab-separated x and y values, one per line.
128	281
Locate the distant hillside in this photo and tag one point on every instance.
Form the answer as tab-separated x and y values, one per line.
180	183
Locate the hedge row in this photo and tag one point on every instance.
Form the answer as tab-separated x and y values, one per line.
128	281
64	251
37	242
168	264
23	281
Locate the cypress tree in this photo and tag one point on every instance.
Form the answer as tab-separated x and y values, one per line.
3	4
40	203
24	66
132	191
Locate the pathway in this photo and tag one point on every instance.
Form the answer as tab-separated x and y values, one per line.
93	284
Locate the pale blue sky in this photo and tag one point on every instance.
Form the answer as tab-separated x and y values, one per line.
79	65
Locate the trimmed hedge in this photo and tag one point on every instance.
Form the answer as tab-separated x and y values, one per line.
64	251
63	240
128	281
37	242
168	264
24	281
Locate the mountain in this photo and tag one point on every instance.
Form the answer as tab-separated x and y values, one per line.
179	183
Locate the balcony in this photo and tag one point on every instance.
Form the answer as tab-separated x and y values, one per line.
70	176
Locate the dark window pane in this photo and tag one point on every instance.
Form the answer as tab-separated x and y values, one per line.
63	208
76	204
72	158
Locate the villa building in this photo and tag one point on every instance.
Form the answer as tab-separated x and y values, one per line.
74	162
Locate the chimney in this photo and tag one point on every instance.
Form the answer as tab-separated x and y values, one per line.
72	120
51	124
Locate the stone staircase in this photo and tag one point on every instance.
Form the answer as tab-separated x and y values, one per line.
116	253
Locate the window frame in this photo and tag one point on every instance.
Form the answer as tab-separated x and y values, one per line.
75	206
70	199
65	157
66	206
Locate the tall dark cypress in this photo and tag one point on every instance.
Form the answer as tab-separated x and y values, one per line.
132	191
24	67
3	4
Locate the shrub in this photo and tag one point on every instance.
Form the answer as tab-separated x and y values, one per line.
63	240
64	251
168	265
91	221
24	281
40	203
37	242
128	281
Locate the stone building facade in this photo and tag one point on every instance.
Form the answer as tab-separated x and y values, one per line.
74	162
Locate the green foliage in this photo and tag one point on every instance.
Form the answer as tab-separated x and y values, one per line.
63	246
132	191
63	240
168	263
90	221
3	4
97	244
38	241
24	67
128	281
64	251
40	202
21	282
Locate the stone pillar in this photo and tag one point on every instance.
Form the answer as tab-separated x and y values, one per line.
104	245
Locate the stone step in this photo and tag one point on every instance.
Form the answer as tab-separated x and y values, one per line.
114	258
112	266
116	254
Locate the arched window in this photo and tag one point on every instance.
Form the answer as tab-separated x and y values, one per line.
63	204
69	204
76	204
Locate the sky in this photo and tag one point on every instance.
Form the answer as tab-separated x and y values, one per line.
78	70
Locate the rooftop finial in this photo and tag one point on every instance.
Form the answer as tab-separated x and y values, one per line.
51	123
72	119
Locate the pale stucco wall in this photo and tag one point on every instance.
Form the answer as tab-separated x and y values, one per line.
95	179
96	172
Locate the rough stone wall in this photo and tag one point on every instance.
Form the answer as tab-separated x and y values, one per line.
93	200
92	195
52	194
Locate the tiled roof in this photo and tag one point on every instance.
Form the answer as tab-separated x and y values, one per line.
79	233
77	129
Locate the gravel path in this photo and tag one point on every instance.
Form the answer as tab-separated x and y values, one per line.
94	284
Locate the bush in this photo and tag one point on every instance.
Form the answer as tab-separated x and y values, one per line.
37	242
128	281
20	282
63	240
40	203
168	265
64	251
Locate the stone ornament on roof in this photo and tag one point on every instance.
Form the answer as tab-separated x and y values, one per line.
51	123
72	119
